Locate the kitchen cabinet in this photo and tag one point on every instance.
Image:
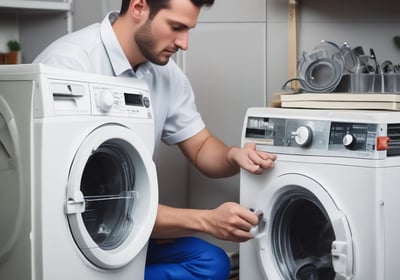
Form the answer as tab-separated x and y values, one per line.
34	24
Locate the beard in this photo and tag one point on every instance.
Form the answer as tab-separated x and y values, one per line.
147	45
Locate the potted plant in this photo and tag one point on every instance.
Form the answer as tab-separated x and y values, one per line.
13	55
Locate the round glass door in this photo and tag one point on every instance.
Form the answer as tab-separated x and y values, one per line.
107	186
112	196
302	235
306	236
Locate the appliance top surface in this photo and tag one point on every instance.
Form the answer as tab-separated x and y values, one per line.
32	71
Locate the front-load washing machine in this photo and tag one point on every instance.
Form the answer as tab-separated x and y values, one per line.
329	208
78	187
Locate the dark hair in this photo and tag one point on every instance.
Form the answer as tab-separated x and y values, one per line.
157	5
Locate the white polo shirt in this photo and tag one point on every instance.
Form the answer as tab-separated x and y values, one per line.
96	49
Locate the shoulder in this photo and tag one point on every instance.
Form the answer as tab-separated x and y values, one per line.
76	45
83	39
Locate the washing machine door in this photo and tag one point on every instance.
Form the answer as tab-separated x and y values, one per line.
112	196
303	234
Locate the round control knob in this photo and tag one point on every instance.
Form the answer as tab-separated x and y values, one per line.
349	141
303	135
146	102
105	100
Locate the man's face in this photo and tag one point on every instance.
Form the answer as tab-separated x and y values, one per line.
162	36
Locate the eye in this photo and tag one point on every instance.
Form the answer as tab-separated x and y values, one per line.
176	27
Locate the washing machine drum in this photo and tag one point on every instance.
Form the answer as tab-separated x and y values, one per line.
306	236
111	196
302	236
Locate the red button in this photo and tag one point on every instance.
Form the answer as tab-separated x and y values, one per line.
382	143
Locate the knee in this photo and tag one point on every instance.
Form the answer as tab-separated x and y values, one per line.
187	258
213	262
221	264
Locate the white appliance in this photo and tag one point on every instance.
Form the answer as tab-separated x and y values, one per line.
330	205
78	191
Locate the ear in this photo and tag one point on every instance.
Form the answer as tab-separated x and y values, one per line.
138	9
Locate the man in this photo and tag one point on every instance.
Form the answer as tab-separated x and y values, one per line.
138	42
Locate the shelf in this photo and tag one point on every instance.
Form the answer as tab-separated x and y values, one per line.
366	101
35	5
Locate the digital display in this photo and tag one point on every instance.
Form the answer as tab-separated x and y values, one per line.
133	99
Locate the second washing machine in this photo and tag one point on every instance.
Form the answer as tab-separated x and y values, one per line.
330	205
78	186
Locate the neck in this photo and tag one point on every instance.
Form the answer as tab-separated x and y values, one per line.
126	40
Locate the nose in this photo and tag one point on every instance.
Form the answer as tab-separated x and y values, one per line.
182	40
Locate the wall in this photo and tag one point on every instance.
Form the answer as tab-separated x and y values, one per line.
37	31
90	11
8	30
369	23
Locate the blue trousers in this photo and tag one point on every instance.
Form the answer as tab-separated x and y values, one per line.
188	258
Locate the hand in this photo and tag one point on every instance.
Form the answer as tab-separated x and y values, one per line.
231	221
251	159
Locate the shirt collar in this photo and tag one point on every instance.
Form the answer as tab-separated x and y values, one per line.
118	60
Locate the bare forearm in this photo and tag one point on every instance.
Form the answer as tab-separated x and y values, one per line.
229	221
175	222
215	161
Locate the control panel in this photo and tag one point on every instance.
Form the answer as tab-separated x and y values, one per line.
353	136
318	137
120	101
92	98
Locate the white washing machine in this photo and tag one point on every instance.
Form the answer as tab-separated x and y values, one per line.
78	191
329	208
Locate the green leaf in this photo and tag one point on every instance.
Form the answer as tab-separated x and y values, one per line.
13	45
